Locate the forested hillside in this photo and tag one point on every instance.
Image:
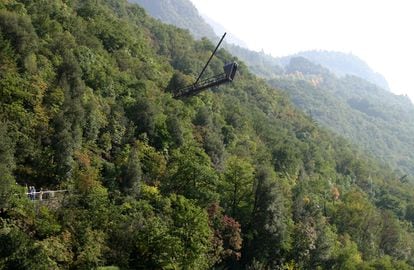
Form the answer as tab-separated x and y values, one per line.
378	121
233	178
171	12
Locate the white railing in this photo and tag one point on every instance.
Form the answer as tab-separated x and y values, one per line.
44	194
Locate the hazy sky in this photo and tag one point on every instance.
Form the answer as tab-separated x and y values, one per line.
380	32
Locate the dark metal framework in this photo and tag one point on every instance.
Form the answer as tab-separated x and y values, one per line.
199	86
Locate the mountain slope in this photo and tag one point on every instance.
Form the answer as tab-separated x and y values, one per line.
171	12
220	29
235	177
342	64
183	14
387	137
376	120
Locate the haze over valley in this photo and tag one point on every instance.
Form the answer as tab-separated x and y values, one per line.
376	31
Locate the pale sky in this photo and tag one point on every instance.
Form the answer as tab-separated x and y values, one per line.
380	32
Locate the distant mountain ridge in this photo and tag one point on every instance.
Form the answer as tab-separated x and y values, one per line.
342	64
378	121
183	14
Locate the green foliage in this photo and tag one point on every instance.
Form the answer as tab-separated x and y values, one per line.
190	174
163	233
172	13
18	251
376	120
347	254
272	224
132	173
179	81
237	189
6	167
361	221
232	178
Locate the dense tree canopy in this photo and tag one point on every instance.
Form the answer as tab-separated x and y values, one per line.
374	119
235	177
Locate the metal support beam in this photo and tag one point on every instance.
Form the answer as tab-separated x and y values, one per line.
211	57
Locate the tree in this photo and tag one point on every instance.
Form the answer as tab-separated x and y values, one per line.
391	235
237	188
357	217
191	226
132	173
7	182
347	256
190	174
409	212
160	232
227	241
18	251
178	81
271	224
